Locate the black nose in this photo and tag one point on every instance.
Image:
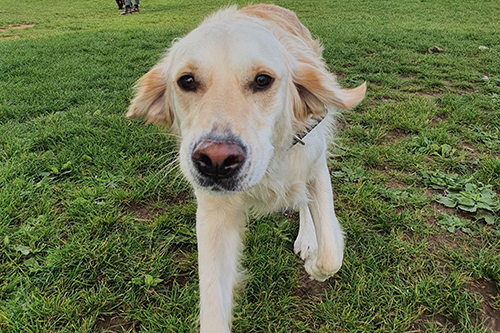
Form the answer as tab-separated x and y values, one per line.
218	160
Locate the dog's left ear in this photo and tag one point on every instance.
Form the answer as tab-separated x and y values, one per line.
318	89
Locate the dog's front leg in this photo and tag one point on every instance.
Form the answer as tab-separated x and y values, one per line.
327	259
220	226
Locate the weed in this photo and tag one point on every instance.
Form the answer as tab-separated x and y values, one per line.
147	281
461	193
350	174
440	180
427	146
474	199
452	223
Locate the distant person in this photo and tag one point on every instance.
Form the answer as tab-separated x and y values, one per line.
128	7
120	4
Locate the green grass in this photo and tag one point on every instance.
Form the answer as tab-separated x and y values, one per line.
97	227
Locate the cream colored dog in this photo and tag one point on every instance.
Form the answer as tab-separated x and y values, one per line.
237	90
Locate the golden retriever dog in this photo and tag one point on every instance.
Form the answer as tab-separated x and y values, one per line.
252	102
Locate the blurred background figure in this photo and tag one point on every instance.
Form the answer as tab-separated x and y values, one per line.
128	7
120	4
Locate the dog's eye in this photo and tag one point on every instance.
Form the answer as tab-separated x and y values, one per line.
187	83
262	82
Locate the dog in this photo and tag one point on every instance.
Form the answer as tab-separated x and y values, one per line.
249	96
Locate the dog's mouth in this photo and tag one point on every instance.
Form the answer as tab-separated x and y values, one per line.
220	185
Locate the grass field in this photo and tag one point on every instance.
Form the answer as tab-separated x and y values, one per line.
97	225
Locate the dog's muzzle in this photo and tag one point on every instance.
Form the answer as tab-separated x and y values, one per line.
218	163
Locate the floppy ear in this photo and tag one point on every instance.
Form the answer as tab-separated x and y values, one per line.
318	89
151	101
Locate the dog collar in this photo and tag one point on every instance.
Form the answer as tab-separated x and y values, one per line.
297	138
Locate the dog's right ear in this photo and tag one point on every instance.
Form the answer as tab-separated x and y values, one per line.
151	101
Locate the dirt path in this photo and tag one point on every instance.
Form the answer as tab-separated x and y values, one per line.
22	26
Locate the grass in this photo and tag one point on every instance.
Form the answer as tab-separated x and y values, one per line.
97	227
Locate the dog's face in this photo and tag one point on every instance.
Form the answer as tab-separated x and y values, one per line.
229	88
234	93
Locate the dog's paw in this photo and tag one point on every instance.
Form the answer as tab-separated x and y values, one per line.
321	269
305	244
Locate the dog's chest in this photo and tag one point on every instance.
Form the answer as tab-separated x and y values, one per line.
280	189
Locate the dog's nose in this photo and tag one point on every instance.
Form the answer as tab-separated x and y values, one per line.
218	159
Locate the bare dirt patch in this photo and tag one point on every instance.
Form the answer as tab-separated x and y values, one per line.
428	94
469	147
380	101
384	168
142	211
431	192
443	240
310	288
114	324
460	88
440	209
422	323
394	135
395	184
180	198
407	78
448	84
387	100
438	119
341	125
487	290
17	27
185	263
147	211
446	240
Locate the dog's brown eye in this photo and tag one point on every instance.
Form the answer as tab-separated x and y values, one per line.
262	82
187	83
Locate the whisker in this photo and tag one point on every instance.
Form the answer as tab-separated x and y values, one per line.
176	168
164	134
165	155
170	163
179	175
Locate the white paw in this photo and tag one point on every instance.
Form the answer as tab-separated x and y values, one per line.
305	244
321	269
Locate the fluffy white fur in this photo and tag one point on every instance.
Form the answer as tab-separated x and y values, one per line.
224	54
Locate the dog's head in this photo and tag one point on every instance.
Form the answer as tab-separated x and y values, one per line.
236	90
